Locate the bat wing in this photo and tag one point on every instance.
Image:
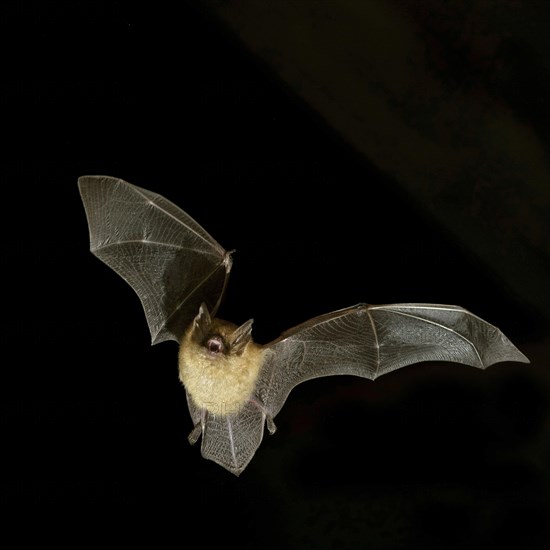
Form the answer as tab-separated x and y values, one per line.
369	341
365	341
171	262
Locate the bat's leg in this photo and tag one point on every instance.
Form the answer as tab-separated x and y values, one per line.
268	418
198	429
195	434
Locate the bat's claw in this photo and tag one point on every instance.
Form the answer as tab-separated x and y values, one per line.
268	418
195	434
271	425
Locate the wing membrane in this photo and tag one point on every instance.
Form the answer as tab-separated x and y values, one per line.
370	341
170	261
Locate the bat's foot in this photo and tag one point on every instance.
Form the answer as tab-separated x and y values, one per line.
193	437
270	425
268	418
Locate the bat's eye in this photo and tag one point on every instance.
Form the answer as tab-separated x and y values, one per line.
215	345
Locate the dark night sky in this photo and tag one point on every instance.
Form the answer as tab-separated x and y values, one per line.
432	456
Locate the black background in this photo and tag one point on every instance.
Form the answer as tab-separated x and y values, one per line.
432	456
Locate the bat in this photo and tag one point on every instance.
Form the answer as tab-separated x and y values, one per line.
235	386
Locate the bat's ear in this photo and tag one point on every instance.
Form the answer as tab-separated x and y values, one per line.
202	322
241	337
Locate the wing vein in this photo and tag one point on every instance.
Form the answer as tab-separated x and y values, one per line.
148	242
376	343
444	327
209	240
231	442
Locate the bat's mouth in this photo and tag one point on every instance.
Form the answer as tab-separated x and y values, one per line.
215	345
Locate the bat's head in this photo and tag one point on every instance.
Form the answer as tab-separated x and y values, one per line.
220	337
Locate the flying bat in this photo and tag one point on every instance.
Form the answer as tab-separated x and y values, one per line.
235	386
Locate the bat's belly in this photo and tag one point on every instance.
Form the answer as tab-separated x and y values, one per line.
220	385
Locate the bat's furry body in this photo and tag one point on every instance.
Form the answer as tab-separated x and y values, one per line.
220	383
235	386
